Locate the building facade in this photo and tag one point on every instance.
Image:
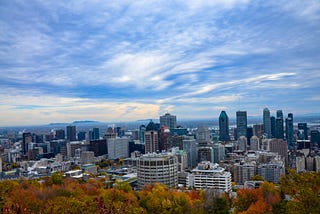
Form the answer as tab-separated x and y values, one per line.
161	168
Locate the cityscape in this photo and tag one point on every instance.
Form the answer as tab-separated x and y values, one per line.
160	106
222	158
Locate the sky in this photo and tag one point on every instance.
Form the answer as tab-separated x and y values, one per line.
69	60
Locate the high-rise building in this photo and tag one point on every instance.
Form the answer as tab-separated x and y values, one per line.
142	129
254	143
71	133
258	130
279	146
151	141
81	135
190	146
60	134
161	168
267	123
26	140
289	131
95	134
243	172
224	126
118	147
207	175
99	147
279	128
273	126
302	131
168	120
242	143
271	172
315	137
241	123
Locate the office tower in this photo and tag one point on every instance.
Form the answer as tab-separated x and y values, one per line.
254	143
289	131
249	134
243	172
161	168
271	172
203	135
118	148
95	134
142	129
315	138
273	126
241	123
26	140
99	147
168	120
82	136
210	176
164	138
87	157
219	152
242	143
279	146
151	141
71	133
60	134
302	131
280	114
267	123
258	130
224	126
190	146
279	128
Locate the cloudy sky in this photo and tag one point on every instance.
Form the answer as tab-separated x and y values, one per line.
127	60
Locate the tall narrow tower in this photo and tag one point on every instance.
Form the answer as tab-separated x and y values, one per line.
267	123
241	123
224	126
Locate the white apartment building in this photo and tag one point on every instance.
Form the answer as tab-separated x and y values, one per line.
207	175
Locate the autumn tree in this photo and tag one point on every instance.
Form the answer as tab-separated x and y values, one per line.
304	189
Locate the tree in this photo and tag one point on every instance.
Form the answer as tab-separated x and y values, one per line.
304	188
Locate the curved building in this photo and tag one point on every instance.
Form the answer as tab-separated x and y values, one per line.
224	126
161	168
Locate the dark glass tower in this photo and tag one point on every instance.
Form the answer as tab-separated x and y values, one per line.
241	123
273	126
71	133
224	126
279	125
267	123
303	131
289	131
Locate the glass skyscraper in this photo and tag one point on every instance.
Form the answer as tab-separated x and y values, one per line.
267	123
224	126
289	131
241	123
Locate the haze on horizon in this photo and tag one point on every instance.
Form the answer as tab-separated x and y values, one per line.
62	61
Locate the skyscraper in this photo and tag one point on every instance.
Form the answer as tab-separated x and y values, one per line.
279	125
26	140
241	123
289	131
303	131
273	126
267	123
151	141
71	133
224	126
168	120
95	134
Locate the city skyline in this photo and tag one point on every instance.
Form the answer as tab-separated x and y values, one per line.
125	61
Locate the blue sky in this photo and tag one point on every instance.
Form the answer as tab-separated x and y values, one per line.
126	60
